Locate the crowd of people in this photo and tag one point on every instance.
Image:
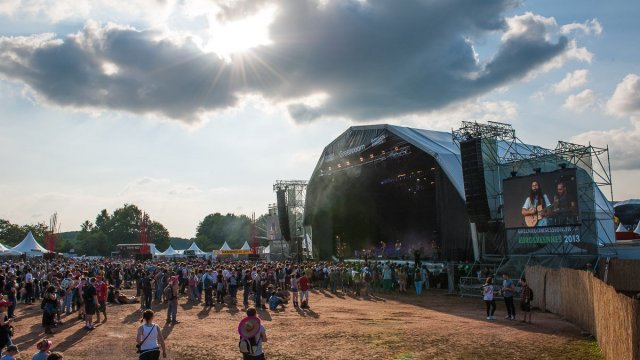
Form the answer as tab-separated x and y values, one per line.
82	288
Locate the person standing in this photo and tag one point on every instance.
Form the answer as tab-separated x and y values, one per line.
507	293
147	291
253	335
149	338
6	327
526	295
418	280
303	287
28	286
294	289
172	309
101	295
49	306
90	303
487	296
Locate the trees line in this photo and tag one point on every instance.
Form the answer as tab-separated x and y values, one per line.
122	226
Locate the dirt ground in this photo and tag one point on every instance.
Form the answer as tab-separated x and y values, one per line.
402	327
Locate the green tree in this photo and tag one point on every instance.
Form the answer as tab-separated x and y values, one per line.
216	228
158	235
10	234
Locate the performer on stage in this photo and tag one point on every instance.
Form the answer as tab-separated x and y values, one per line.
383	248
536	206
564	210
398	248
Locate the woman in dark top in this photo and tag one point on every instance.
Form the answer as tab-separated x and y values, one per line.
6	330
49	306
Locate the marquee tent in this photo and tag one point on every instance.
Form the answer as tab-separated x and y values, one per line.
225	246
30	246
171	252
196	250
245	246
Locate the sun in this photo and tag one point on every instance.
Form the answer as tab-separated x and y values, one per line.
238	36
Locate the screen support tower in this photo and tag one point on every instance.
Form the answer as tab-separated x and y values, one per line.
296	192
504	153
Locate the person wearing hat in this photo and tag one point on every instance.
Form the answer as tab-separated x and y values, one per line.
11	353
43	347
252	335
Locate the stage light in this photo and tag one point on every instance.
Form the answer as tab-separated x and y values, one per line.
339	165
433	169
433	183
361	158
382	152
396	148
371	156
329	168
348	163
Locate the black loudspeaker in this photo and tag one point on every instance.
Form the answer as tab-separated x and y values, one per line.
283	214
474	184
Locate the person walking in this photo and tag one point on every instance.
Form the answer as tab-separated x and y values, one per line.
101	295
147	291
507	293
252	335
487	295
149	338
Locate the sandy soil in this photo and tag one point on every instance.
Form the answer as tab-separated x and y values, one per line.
432	326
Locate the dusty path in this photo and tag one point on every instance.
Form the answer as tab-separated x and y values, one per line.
433	326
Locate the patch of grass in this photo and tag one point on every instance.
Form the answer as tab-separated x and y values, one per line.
404	356
582	349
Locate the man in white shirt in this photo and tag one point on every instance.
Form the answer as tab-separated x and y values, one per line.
28	286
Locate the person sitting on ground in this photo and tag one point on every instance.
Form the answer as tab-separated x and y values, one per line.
55	356
43	347
12	352
275	301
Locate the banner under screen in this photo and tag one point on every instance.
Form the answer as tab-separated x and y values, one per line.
541	200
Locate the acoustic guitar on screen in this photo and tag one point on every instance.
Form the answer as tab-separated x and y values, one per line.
541	213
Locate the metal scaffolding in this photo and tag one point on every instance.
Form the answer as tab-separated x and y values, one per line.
296	193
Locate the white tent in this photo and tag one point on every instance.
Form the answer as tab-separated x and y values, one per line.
3	248
196	249
225	246
267	250
30	246
154	250
637	229
171	252
622	228
245	246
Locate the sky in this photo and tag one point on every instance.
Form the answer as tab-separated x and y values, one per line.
186	108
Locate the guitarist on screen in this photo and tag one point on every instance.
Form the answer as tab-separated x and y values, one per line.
536	206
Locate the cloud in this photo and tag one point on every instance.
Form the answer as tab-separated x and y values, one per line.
571	81
624	143
580	102
589	27
626	98
373	60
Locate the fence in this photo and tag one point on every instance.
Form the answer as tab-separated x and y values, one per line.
624	275
583	299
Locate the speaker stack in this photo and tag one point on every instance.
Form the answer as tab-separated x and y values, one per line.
474	183
283	214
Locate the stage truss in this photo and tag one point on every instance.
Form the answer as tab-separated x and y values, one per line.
503	150
295	194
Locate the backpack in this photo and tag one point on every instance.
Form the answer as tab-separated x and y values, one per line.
168	292
207	282
248	346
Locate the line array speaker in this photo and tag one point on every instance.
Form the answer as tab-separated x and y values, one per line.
474	183
283	214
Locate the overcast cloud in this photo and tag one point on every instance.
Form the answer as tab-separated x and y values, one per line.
372	60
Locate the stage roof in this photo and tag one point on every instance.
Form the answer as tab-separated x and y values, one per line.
438	144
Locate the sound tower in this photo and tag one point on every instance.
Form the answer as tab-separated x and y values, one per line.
474	183
283	214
